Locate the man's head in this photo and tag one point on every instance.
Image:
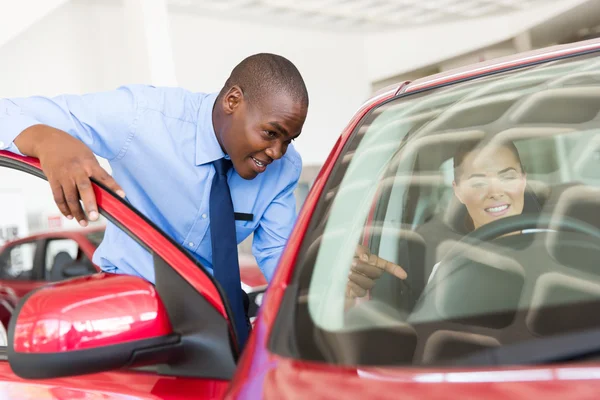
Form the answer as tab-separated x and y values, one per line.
259	111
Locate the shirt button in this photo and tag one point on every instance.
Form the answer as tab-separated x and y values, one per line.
191	244
204	216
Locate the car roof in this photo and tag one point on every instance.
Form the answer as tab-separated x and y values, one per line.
486	67
57	233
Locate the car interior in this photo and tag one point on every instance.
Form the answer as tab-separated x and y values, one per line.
494	290
65	266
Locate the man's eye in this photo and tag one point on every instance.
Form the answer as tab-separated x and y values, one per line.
271	134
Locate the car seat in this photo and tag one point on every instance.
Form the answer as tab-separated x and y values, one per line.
62	259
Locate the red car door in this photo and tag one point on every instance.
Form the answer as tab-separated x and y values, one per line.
132	383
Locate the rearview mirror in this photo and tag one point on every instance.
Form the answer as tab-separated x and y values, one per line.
86	325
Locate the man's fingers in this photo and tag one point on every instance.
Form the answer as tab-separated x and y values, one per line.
59	199
362	281
72	198
373	266
357	290
108	181
86	193
371	271
392	268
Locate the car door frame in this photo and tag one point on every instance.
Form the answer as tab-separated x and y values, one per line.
173	261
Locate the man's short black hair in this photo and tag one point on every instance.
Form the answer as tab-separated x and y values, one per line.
264	74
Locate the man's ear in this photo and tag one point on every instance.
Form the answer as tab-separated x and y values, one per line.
232	99
457	191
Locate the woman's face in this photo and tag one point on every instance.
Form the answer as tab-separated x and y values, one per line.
491	185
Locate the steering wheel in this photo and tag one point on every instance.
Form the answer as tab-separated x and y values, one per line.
456	258
520	222
517	223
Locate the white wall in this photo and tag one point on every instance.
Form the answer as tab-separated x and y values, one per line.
80	47
18	16
86	46
393	53
332	65
92	45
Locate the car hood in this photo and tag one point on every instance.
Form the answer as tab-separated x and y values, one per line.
287	379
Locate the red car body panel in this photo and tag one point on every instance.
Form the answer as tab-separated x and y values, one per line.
262	374
121	385
129	385
288	379
146	315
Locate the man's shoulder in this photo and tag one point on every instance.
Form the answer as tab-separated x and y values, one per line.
292	159
286	170
172	102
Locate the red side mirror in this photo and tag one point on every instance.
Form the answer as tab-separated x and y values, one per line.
91	324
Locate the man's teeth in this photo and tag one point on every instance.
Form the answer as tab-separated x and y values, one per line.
497	209
258	162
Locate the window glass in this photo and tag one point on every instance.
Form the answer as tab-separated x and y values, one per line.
56	246
18	265
486	194
66	253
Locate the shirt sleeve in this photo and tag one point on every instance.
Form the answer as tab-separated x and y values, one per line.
104	121
275	227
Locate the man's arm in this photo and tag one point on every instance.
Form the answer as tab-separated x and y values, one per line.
275	227
63	133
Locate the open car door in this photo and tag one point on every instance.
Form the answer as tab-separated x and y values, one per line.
112	336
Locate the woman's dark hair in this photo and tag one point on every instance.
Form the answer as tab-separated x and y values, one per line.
468	146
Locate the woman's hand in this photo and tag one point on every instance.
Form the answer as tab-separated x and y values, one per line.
366	268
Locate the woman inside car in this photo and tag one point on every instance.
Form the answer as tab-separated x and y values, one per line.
489	180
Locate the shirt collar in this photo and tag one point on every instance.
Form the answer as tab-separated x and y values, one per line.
207	146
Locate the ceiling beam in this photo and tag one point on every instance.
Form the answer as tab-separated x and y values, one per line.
18	16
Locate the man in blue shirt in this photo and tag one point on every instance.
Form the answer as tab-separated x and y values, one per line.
161	144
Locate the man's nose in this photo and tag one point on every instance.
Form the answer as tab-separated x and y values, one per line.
275	151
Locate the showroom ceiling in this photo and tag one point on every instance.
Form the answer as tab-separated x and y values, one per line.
354	14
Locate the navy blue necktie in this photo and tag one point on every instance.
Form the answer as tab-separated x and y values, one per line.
225	262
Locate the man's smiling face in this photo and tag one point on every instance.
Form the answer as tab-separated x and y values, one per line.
257	134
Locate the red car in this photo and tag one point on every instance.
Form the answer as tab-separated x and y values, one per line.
48	254
62	254
509	309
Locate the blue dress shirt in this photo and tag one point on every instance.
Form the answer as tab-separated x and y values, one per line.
160	143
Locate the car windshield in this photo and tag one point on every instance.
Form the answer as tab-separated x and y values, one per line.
486	194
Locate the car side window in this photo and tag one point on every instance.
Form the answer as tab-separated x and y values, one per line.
64	259
18	261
